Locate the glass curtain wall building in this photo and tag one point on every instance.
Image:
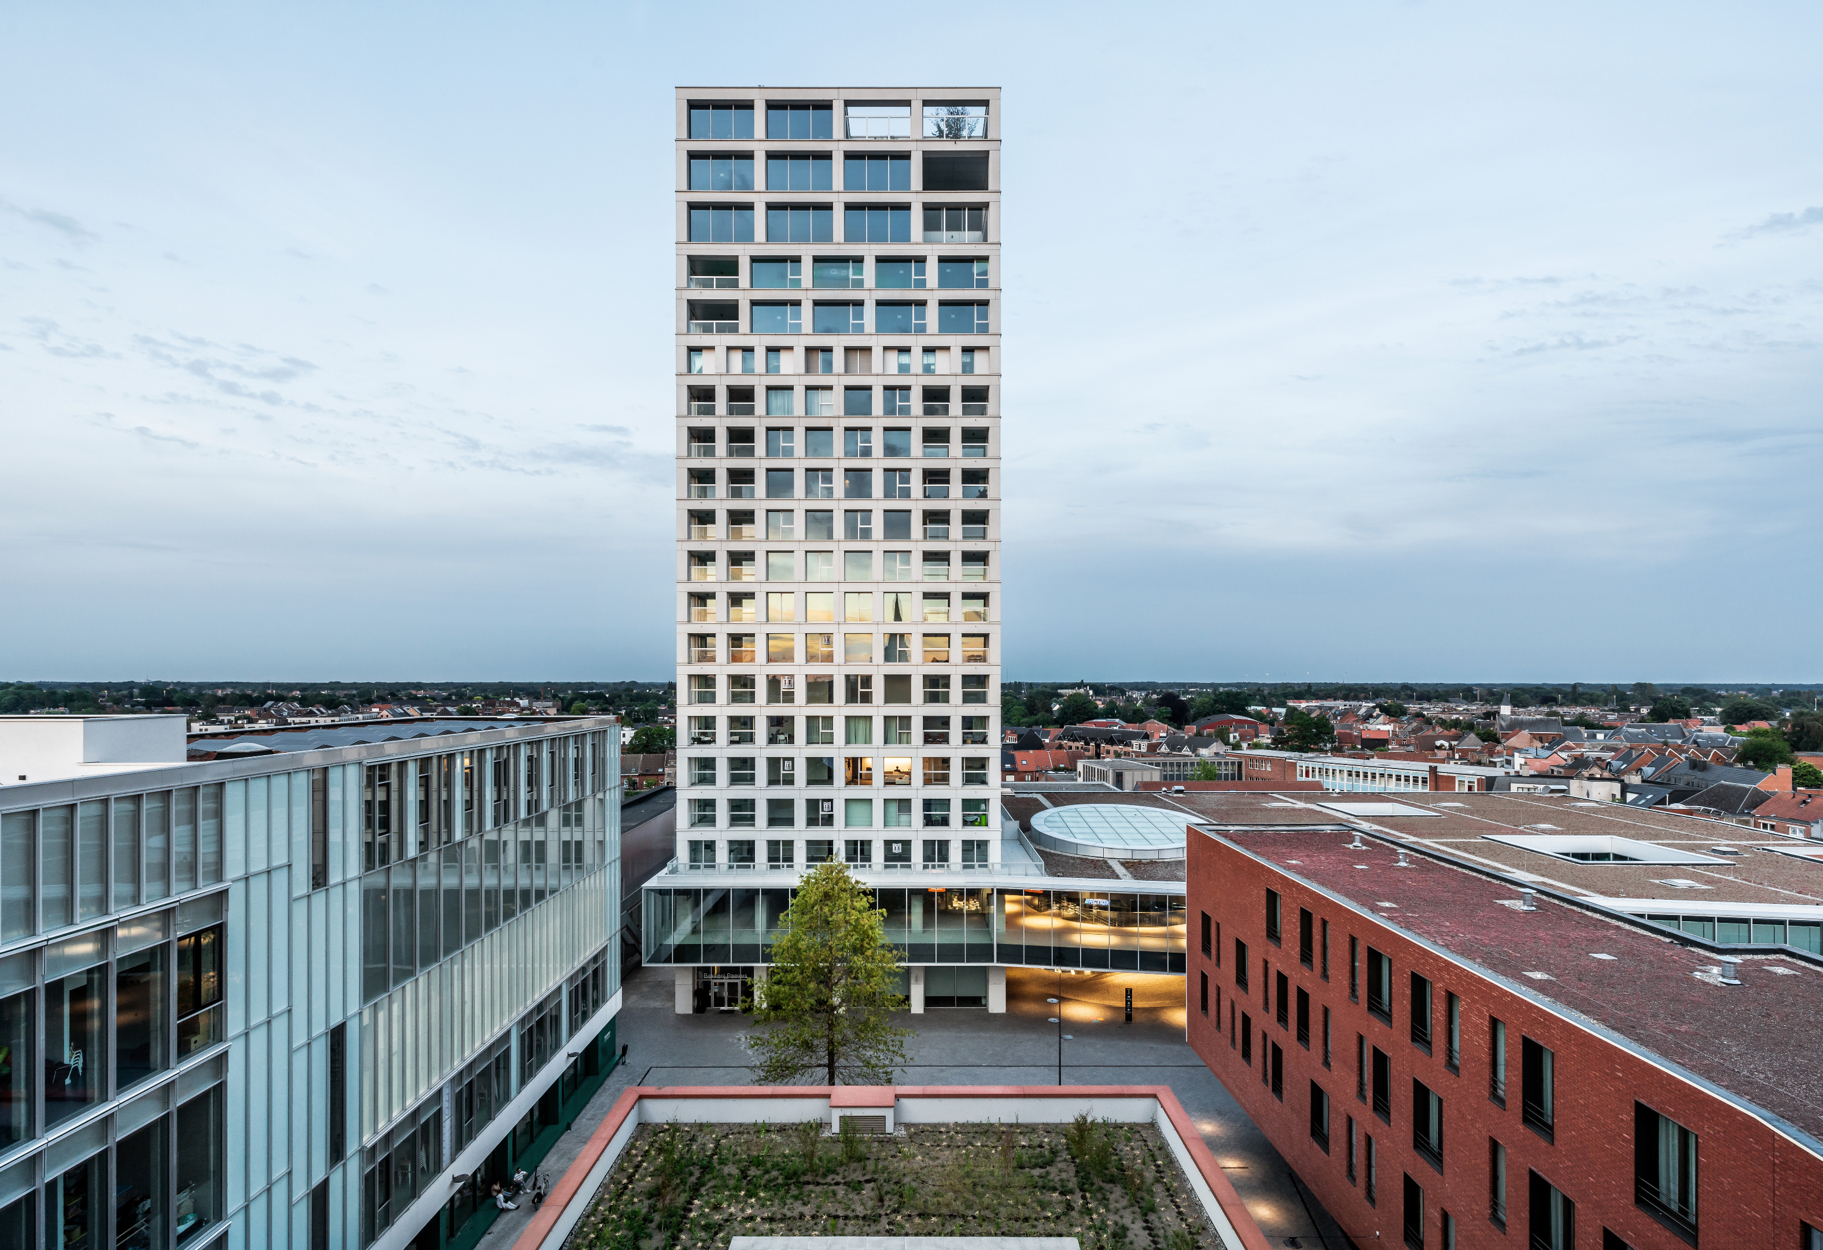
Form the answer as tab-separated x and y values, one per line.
838	371
283	991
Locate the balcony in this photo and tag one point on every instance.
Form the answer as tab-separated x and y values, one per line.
936	531
740	652
703	451
741	571
741	449
714	272
702	533
743	533
703	614
703	655
702	490
974	533
936	410
702	737
714	317
974	410
702	569
736	409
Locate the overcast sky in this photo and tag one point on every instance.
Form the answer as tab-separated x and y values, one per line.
1408	342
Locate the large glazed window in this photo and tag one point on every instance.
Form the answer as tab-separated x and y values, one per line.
799	173
960	224
721	223
75	1063
721	121
16	1045
800	121
721	171
139	1016
877	173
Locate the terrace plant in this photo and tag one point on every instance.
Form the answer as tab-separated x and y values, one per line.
832	990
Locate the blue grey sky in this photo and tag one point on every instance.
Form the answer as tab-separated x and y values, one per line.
1394	341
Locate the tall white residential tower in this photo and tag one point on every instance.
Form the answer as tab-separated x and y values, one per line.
838	477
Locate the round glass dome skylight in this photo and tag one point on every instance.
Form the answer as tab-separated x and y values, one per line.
1109	830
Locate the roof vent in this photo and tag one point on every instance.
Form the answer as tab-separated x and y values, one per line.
1356	845
1528	900
1729	964
1402	861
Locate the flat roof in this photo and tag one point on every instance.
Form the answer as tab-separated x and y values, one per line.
1755	1041
325	737
1748	869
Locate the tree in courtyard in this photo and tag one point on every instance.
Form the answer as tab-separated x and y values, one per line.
1077	708
1668	707
832	990
1304	732
1806	776
1206	770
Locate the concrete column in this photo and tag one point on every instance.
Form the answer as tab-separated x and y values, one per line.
917	991
685	1000
996	991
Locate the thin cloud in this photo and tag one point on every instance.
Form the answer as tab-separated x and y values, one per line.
1786	223
62	223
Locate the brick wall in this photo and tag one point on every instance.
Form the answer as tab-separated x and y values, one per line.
1754	1185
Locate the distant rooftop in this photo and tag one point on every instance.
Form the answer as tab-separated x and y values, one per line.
1499	832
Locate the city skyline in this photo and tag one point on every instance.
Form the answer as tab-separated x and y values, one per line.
1501	329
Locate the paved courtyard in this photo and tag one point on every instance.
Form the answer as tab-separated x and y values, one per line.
970	1047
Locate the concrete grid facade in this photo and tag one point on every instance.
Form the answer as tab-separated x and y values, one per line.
838	376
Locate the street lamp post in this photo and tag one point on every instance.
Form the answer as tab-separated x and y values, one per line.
1062	1037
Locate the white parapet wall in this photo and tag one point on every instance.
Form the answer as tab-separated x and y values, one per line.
904	1105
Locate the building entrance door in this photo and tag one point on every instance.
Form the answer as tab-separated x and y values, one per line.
726	986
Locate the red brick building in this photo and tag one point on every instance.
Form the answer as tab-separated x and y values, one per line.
1445	1068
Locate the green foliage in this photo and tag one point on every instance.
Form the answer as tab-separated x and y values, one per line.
468	709
579	709
652	740
1076	709
1764	749
1806	775
1172	707
1221	702
1304	732
832	990
1393	708
1739	710
1805	732
1668	707
1012	711
1206	770
15	699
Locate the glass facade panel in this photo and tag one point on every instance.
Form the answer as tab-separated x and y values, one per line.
140	1016
17	1036
75	1063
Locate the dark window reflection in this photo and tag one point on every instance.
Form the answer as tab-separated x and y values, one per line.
75	1067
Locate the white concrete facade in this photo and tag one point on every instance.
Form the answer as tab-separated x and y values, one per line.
838	378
